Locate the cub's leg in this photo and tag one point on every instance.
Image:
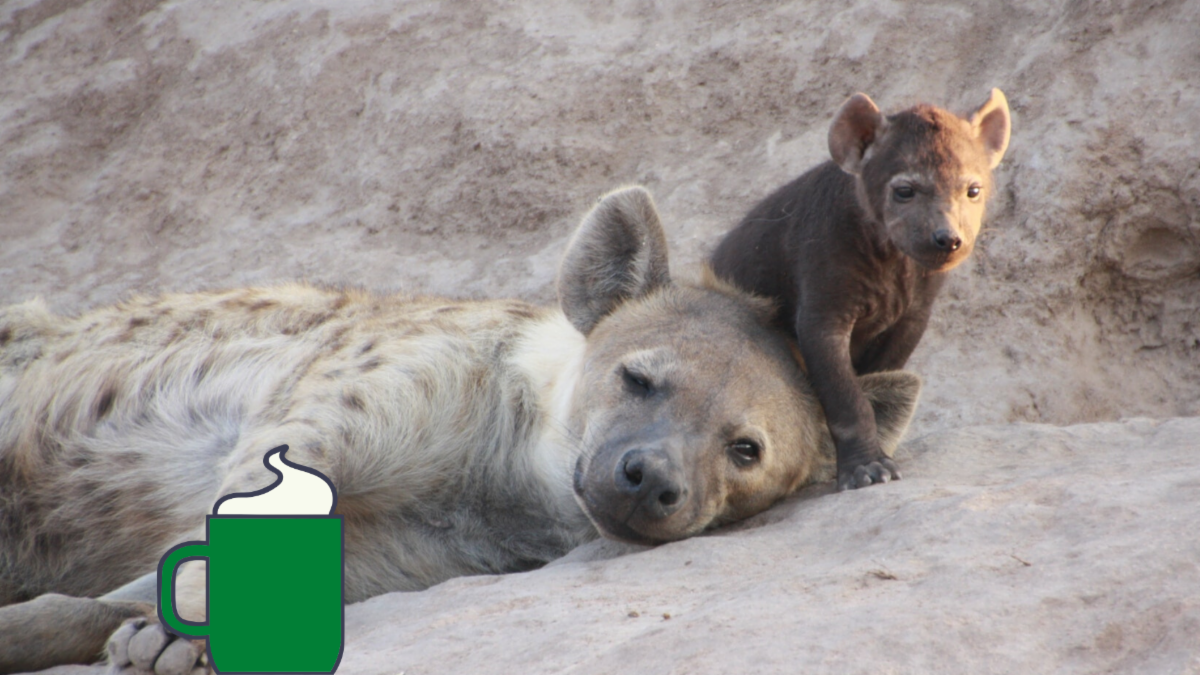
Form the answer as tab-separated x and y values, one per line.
826	351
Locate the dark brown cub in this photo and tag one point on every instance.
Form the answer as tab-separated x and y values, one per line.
856	249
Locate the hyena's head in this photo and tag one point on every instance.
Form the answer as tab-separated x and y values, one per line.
924	173
691	410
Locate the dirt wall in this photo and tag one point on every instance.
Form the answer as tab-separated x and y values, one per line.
451	146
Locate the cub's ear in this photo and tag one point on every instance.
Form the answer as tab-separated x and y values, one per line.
856	126
993	126
893	395
618	253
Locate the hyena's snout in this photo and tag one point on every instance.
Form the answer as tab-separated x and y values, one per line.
639	493
652	483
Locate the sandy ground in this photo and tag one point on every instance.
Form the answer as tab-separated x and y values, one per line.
1018	548
451	147
1050	551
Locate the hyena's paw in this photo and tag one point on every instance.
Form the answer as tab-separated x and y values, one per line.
143	646
881	470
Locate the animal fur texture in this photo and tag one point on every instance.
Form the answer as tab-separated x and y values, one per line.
856	249
462	437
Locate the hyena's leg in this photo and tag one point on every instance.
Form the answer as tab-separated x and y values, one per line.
143	645
141	589
55	629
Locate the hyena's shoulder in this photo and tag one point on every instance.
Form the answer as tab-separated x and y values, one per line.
322	317
24	329
67	378
29	331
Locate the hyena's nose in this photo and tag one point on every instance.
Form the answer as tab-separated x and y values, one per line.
946	240
649	476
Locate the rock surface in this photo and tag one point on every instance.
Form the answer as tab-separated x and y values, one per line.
1020	548
1006	549
451	146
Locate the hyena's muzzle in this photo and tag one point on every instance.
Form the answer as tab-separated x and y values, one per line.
644	489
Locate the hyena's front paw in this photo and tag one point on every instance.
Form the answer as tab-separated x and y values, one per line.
861	475
144	646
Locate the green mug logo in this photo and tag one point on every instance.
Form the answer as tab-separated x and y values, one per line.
274	580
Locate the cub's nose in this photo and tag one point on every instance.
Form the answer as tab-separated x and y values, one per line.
946	240
650	477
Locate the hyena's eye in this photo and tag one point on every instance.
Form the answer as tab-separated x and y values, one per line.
745	452
636	382
903	193
974	191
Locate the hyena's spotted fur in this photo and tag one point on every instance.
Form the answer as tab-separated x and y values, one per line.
463	437
162	391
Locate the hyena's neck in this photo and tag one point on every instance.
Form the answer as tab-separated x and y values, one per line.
550	354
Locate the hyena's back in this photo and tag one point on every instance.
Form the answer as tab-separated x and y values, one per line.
116	426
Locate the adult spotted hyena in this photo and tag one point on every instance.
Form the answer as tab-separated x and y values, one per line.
462	437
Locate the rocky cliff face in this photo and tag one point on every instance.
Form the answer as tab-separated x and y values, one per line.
450	147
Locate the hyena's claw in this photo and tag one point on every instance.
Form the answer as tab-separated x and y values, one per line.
146	645
871	473
140	646
179	658
118	644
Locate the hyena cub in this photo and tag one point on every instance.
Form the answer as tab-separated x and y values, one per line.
856	249
462	437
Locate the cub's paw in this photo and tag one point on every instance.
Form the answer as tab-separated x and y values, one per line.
143	646
877	471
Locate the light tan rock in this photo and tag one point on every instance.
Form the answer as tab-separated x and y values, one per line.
450	147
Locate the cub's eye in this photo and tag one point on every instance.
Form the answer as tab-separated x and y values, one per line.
636	383
974	191
903	193
744	452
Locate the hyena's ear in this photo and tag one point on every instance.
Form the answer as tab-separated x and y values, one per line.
855	127
993	126
618	253
893	395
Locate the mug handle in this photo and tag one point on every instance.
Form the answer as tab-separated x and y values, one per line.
190	550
